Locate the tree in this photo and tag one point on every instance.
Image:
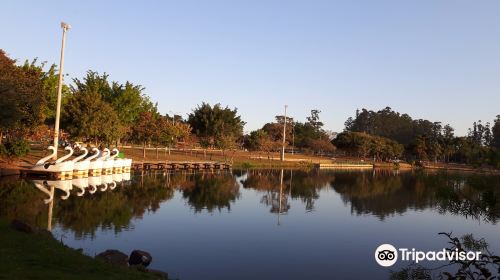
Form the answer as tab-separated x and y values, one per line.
308	136
168	133
362	144
214	124
145	129
314	121
321	146
87	117
127	100
50	81
448	142
495	132
420	148
260	140
22	98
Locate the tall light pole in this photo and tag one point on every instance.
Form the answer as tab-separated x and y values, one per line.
65	27
284	137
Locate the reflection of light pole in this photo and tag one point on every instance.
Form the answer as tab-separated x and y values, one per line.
284	136
65	28
51	207
279	197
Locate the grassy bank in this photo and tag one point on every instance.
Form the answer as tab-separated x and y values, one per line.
239	159
40	256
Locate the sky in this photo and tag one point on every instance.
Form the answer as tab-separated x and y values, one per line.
436	60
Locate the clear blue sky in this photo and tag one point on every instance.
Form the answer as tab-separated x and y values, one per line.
438	60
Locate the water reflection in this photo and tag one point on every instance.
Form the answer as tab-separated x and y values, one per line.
208	191
473	196
111	202
280	185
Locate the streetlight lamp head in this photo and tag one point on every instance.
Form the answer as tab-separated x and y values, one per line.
65	25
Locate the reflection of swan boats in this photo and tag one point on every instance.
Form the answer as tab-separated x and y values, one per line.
41	186
49	201
59	169
82	184
118	178
107	181
126	176
81	167
94	182
64	185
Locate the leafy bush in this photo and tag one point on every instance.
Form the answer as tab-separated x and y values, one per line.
3	151
14	148
247	165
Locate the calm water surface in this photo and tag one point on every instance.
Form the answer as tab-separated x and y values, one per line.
265	224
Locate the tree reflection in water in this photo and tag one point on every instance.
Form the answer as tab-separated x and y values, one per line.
381	193
210	191
114	204
280	185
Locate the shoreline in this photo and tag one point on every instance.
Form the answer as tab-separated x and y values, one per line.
33	253
249	160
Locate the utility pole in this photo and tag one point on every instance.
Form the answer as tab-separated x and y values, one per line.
65	27
284	137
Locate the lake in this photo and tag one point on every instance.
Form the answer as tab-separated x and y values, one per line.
264	224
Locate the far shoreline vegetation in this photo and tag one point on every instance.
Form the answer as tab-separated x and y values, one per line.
101	112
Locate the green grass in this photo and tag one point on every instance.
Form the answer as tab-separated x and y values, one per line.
39	256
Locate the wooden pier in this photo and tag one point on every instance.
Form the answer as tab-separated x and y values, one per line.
166	165
136	166
344	166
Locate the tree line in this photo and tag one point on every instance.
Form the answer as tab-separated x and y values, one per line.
422	139
98	110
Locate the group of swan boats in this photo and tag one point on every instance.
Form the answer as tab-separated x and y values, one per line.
99	163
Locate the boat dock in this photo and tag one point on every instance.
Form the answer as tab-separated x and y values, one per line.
169	165
136	166
344	166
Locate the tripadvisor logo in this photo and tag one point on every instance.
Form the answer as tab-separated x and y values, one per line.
387	255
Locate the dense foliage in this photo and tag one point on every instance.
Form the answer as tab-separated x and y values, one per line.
426	140
216	126
23	98
308	136
362	145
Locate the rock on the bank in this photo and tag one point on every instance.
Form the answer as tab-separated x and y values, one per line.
113	257
22	226
138	257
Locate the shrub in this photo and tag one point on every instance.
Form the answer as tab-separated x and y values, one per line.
14	148
247	165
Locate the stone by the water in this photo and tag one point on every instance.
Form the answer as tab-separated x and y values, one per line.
22	226
113	257
138	257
